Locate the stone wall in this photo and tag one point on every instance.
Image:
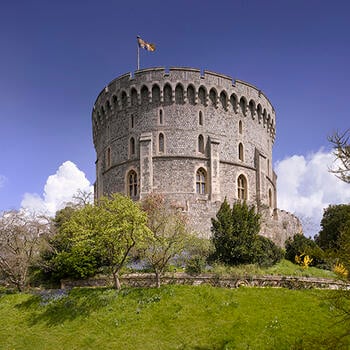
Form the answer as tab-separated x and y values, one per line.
148	280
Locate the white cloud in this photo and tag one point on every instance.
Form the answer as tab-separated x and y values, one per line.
306	187
59	190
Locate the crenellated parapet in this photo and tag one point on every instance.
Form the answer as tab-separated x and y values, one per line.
156	87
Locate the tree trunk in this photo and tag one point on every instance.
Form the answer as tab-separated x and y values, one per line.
158	279
117	284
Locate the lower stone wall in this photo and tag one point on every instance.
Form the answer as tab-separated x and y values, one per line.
148	280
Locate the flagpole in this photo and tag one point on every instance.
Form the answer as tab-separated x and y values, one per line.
138	56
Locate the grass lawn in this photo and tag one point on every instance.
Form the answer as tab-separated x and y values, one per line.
172	317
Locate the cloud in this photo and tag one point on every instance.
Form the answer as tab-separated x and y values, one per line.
59	190
306	187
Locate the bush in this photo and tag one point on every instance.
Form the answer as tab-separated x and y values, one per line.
299	245
195	265
266	252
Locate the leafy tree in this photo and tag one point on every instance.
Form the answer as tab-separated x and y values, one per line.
341	147
299	244
234	233
169	237
20	239
334	219
110	229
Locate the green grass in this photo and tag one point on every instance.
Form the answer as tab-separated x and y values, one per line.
172	317
283	268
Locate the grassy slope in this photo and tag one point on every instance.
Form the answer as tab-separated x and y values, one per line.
173	317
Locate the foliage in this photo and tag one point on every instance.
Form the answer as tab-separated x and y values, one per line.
236	239
109	230
266	252
234	233
172	317
20	239
169	234
340	270
303	260
299	245
341	147
60	258
334	220
195	265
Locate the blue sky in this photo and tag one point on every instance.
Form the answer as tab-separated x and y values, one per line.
56	56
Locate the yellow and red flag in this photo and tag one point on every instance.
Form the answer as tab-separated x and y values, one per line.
145	45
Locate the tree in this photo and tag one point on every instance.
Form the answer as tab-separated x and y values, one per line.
110	229
169	237
234	233
341	146
332	223
20	238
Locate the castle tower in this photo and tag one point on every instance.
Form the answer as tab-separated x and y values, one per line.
195	138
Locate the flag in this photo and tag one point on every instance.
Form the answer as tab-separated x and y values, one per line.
145	45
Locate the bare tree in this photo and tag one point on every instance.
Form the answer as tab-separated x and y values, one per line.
341	146
20	237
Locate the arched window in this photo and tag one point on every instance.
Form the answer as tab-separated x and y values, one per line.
132	146
213	97
201	144
240	127
132	183
270	198
200	118
240	152
202	95
243	105
179	94
242	187
161	117
252	108
132	121
167	94
124	99
161	143
115	101
233	101
223	100
144	95
133	97
201	181
155	94
191	96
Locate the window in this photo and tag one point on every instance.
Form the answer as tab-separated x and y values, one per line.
240	127
132	146
242	187
201	144
132	183
200	118
201	177
240	152
161	117
161	143
132	121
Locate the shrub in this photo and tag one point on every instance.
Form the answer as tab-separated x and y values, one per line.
301	245
266	252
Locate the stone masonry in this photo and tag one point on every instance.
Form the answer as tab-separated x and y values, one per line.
196	138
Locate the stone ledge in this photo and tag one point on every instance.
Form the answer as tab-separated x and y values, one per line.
148	280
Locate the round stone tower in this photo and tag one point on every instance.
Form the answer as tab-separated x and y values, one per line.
196	138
